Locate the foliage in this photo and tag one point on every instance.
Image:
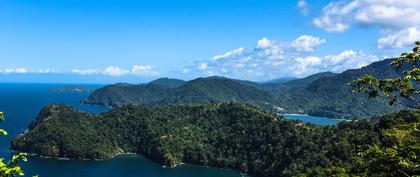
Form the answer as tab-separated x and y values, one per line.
11	168
405	87
322	94
168	91
225	135
397	156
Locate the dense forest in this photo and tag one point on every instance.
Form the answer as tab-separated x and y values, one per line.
229	135
323	94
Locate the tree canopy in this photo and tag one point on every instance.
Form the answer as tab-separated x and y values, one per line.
11	168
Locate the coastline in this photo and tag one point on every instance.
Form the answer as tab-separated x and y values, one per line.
130	153
68	158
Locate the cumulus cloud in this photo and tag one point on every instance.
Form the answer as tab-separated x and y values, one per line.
398	20
115	71
271	59
399	39
144	70
307	43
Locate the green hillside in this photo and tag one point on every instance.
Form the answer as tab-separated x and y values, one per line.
227	135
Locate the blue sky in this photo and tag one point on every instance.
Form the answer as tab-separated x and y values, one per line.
103	41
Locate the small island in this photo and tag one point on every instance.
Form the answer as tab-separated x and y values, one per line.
71	88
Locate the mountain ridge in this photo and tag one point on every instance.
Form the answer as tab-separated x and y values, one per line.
323	94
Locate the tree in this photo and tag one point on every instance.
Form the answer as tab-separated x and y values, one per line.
399	152
11	168
405	87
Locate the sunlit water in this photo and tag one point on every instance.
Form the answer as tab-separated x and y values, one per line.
312	119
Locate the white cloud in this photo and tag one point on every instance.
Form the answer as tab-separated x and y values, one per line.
265	43
303	6
230	54
398	20
203	66
22	70
115	71
144	70
307	43
46	71
85	71
271	59
399	39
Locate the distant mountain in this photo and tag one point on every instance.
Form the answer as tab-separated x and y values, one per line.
198	91
279	80
323	94
331	97
168	82
303	82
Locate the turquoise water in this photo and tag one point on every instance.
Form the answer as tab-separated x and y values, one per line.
21	104
312	119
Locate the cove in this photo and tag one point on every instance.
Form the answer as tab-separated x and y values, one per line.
312	119
21	104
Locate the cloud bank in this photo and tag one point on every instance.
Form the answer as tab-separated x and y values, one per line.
272	59
115	71
22	70
398	20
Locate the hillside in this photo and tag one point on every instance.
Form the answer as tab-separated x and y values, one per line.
331	97
227	135
296	83
198	91
168	82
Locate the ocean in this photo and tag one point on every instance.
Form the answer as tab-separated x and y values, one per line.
21	104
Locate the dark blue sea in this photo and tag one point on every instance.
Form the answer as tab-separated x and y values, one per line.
21	104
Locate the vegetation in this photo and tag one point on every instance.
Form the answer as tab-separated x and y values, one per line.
11	168
405	87
225	135
399	154
198	91
331	97
322	94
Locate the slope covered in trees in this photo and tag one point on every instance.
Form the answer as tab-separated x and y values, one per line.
332	97
198	91
323	94
168	82
227	135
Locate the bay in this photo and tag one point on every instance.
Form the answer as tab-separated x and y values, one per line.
21	104
313	119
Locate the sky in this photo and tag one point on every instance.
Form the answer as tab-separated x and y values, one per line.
107	41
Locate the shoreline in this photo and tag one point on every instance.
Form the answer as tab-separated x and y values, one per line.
129	153
68	158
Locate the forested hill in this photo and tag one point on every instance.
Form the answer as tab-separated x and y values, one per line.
323	94
227	135
198	91
295	83
168	82
331	97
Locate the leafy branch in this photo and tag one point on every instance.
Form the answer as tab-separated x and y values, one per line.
393	89
12	167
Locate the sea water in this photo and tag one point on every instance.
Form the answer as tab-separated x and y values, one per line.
21	104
